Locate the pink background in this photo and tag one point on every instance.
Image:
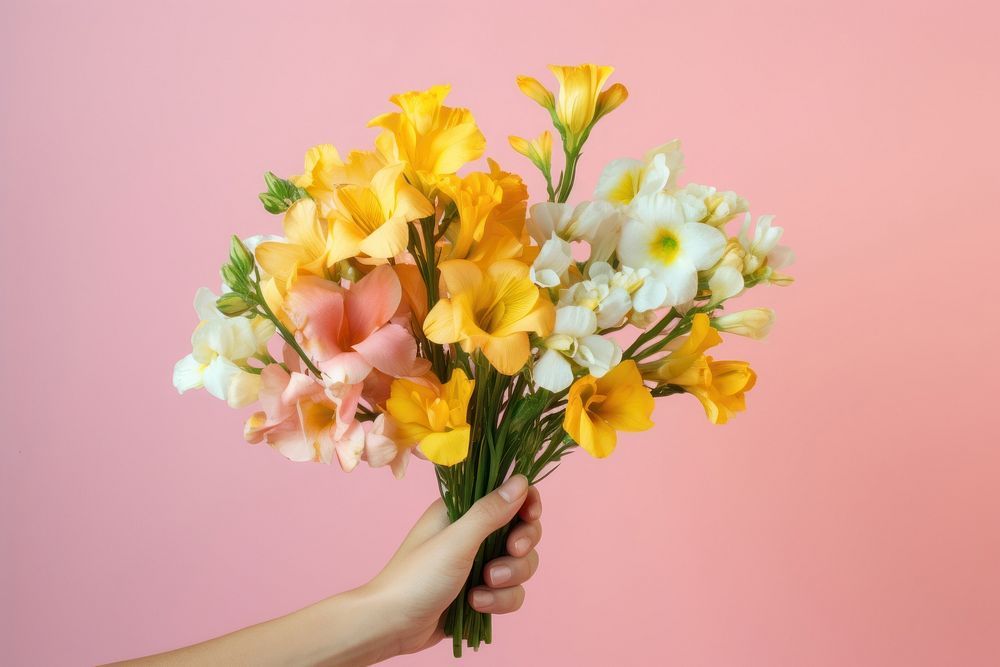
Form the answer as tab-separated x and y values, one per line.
851	517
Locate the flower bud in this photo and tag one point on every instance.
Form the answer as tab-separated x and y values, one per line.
610	99
531	87
753	323
240	257
231	304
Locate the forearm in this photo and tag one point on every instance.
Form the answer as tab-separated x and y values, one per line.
342	630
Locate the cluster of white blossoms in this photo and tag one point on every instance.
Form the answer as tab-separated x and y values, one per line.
649	244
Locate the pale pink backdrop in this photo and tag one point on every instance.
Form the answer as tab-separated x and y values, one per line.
851	517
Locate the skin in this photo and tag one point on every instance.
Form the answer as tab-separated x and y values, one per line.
401	610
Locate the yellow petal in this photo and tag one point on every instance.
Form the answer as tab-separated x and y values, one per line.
447	448
507	354
388	240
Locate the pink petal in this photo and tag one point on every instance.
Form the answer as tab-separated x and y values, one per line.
316	308
372	301
350	447
390	349
346	368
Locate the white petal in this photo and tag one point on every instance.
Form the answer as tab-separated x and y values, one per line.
658	208
613	309
218	376
244	389
575	321
674	158
655	175
619	181
598	354
204	304
546	219
545	277
681	281
725	283
634	242
652	295
187	374
553	371
701	244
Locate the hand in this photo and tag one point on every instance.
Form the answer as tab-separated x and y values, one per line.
400	610
431	565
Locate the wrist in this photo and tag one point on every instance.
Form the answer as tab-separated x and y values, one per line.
356	628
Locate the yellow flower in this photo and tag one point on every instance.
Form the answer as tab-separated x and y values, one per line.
579	94
539	150
325	171
685	365
306	250
373	219
598	407
492	310
475	196
719	385
432	139
724	393
432	416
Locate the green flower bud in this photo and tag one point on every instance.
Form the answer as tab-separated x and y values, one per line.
240	257
232	304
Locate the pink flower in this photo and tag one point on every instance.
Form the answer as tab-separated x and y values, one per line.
348	332
302	421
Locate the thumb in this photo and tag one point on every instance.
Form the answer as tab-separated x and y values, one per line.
490	513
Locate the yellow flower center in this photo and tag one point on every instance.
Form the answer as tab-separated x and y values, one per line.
664	247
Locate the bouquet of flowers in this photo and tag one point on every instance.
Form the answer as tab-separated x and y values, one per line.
425	312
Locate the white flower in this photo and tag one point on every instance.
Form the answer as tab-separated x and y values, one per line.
754	323
595	222
219	344
606	292
574	337
554	259
717	208
763	250
659	238
627	179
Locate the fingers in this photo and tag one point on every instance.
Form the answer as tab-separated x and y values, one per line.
531	510
499	601
430	523
487	515
523	538
509	571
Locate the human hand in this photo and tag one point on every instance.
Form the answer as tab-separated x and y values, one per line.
431	565
400	610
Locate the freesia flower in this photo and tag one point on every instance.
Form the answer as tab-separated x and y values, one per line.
753	323
574	338
681	365
598	407
581	101
595	222
764	256
723	390
221	347
553	261
347	333
381	448
301	421
432	416
475	196
607	292
660	239
432	139
305	249
718	207
492	310
626	179
373	219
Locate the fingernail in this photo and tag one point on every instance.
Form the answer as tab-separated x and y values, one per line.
513	488
482	598
522	545
500	574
